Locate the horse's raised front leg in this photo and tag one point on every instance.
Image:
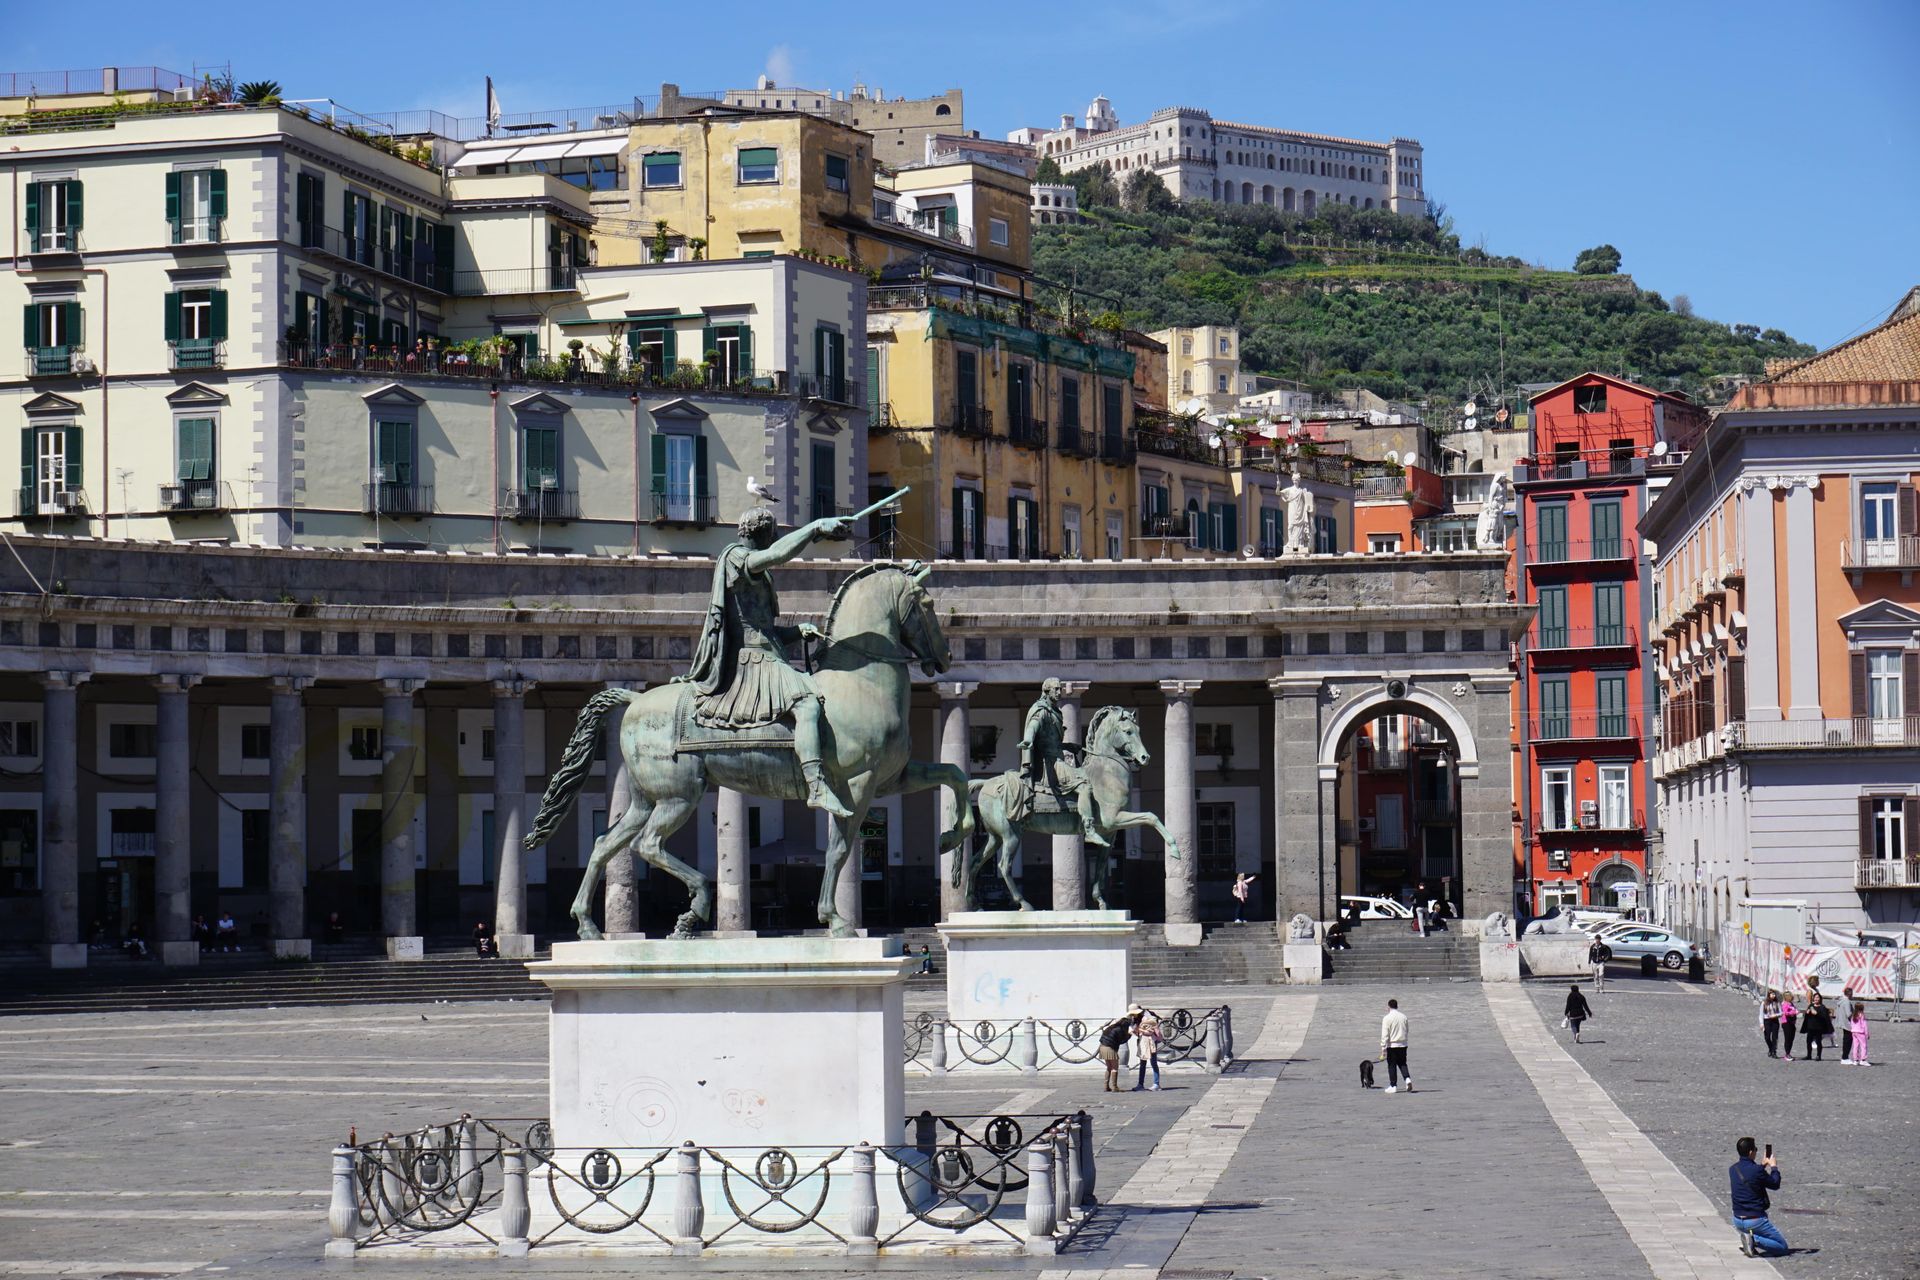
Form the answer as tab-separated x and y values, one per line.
605	849
919	775
1128	818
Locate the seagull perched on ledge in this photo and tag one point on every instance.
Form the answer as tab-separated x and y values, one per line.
760	491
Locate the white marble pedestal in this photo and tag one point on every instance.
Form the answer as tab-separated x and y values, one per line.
1499	960
1304	962
1052	965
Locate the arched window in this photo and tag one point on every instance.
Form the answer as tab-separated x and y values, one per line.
1246	193
943	110
1266	194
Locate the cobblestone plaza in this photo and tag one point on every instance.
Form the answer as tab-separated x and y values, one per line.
173	1144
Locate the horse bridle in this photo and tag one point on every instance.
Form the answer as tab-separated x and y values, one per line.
901	655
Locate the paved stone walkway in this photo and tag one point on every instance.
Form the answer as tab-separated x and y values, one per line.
1681	1234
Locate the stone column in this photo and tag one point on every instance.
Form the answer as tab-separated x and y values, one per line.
1182	873
509	818
953	750
1486	800
173	823
621	874
287	835
1303	882
59	819
397	911
733	856
1070	851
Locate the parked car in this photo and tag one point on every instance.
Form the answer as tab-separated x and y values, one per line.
1371	908
1593	919
1630	942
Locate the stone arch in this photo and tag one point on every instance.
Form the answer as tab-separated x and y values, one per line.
1266	194
1307	203
1416	701
1368	204
1286	199
1246	193
1614	871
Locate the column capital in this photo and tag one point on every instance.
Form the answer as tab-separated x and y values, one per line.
1294	686
1180	690
64	679
512	687
956	690
176	681
1075	688
293	684
399	686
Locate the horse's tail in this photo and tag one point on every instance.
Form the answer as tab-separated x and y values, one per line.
974	785
575	764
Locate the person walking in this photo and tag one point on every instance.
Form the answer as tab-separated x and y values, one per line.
1770	1022
1751	1180
1578	1011
1597	956
1146	1045
1845	1017
1242	885
1393	1047
1816	1024
1789	1022
1858	1025
1112	1036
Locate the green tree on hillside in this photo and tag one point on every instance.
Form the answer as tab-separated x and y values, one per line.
1144	192
1048	173
1601	260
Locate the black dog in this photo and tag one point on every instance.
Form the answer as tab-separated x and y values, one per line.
1366	1073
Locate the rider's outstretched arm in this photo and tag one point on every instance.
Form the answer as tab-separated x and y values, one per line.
787	547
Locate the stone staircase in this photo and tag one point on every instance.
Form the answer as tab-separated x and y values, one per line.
1388	951
342	974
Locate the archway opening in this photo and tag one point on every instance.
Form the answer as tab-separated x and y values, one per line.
1397	807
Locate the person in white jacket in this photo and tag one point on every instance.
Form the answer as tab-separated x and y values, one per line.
1393	1047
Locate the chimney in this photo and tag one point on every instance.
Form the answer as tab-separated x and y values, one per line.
110	80
1066	121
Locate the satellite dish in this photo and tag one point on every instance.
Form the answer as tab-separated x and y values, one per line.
1501	416
1470	409
1393	456
1213	441
1660	448
1248	551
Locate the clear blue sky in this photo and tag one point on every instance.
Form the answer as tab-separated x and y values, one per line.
1761	157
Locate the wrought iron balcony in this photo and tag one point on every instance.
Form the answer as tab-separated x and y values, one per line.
1852	733
1887	873
1901	552
190	497
1578	551
973	420
543	505
880	417
1166	524
198	353
1116	449
1078	443
681	508
502	281
50	362
833	387
1028	433
1583	726
56	504
396	498
366	251
1584	466
1549	639
1593	819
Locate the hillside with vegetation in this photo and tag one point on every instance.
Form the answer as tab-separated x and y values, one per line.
1373	299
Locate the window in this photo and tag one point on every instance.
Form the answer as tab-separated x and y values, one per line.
1112	419
50	468
969	524
54	331
255	824
1590	399
824	504
759	164
997	231
1616	797
653	349
1879	528
1887	827
358	227
393	453
1186	346
363	742
1885	693
1213	739
661	169
1610	702
1554	721
730	347
54	212
1186	380
19	851
1069	410
1389	821
1326	535
680	482
1213	832
256	741
1023	528
1389	735
1383	543
837	170
1070	532
1609	613
1606	530
1223	532
196	205
1220	383
1551	520
131	741
1226	346
193	450
309	205
19	739
1556	798
1553	617
539	457
1116	537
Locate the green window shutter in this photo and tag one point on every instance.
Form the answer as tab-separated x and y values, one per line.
76	458
659	463
173	203
33	211
26	464
30	324
172	323
395	451
670	347
873	381
540	449
302	315
958	514
1013	526
217	189
702	482
746	351
820	353
76	205
980	524
1230	536
217	314
443	256
196	449
75	334
709	340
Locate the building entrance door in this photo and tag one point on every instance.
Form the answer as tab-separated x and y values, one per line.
125	896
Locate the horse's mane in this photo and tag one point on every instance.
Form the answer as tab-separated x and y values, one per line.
840	592
1099	719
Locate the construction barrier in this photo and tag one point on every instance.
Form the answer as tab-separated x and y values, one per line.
1755	964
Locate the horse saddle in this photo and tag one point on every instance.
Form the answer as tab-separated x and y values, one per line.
690	735
1030	797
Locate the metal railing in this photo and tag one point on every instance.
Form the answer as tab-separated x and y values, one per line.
1899	552
208	230
1891	873
543	505
1116	449
65	503
1853	732
566	370
679	508
1608	637
55	240
1028	433
1582	725
396	498
946	232
495	281
1078	443
833	387
1165	524
191	496
367	251
943	1045
1175	444
197	353
1578	551
972	420
1587	466
50	362
880	417
1596	820
53	84
133	844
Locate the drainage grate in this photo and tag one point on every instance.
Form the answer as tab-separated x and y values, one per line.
1196	1275
1818	1213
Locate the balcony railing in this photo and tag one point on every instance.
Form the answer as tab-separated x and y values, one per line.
1116	449
198	353
1176	444
1586	466
396	498
197	230
1598	819
366	251
549	506
880	417
680	508
830	386
1576	726
1166	524
1611	637
973	420
1579	551
1891	873
942	230
1078	443
60	504
514	280
188	497
1028	433
55	240
50	362
1855	732
1899	552
565	371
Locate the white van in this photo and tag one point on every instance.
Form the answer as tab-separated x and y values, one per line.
1370	908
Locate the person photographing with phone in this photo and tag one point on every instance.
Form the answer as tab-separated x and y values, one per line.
1751	1181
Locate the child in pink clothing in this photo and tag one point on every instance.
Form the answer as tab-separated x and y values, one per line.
1789	1020
1859	1028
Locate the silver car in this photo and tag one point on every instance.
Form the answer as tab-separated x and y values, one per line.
1632	942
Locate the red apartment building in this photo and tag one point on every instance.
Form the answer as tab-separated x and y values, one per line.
1583	791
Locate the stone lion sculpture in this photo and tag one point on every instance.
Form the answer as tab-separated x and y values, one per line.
1496	925
1300	927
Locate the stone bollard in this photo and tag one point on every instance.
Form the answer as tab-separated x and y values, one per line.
1226	1043
940	1047
1040	1210
1027	1045
394	1156
343	1208
1086	1158
1215	1060
1063	1201
1076	1179
863	1206
471	1180
515	1214
689	1213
